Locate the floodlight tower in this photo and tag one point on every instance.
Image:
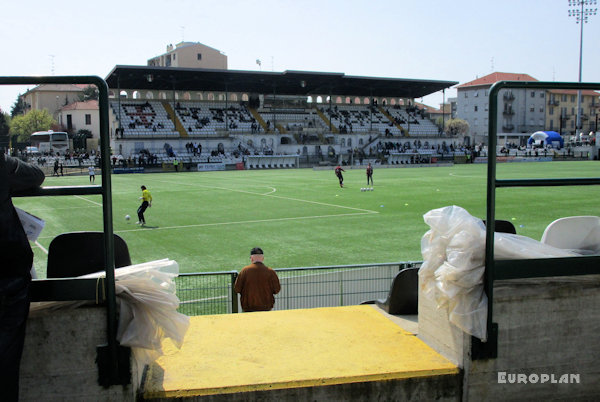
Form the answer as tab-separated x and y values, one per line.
582	15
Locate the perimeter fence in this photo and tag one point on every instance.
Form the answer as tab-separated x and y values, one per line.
205	293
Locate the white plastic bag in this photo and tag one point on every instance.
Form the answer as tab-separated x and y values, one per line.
454	264
148	308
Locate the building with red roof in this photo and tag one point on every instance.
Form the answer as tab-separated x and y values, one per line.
523	111
520	111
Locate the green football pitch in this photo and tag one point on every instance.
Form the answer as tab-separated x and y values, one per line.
209	221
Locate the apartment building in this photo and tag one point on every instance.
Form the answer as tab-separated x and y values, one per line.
191	55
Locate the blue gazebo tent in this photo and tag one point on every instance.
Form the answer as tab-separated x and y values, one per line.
545	138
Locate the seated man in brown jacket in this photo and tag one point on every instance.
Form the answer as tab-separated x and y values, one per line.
257	284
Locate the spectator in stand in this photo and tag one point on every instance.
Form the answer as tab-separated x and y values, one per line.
257	284
15	274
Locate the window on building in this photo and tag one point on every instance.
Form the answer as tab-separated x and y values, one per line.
572	98
476	94
551	124
199	56
487	92
563	98
485	107
533	94
174	56
541	110
88	119
551	111
532	109
475	108
466	95
542	95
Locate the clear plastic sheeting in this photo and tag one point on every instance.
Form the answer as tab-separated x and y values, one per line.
454	264
148	308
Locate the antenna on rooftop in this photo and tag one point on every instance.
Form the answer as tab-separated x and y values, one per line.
492	61
182	33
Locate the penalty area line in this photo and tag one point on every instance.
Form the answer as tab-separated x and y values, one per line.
269	194
250	221
41	247
85	199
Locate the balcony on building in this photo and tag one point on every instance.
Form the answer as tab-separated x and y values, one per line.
508	96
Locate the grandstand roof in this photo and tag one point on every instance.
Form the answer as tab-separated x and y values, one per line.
282	83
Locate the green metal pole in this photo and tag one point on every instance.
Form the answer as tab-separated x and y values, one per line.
109	256
234	296
491	204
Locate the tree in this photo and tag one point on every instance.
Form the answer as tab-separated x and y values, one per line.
90	92
35	120
457	126
4	128
18	107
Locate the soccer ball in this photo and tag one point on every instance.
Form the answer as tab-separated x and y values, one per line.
127	217
362	189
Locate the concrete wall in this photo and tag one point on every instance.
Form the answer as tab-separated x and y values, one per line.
59	356
547	326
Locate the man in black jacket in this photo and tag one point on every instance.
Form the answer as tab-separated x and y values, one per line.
17	259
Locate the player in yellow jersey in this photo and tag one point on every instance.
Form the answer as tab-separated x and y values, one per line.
146	202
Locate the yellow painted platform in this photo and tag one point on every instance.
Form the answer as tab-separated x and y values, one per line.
257	351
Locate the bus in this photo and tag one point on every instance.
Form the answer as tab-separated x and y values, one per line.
50	141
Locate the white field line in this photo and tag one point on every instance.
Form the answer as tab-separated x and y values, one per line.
41	247
467	176
202	300
57	208
245	222
85	199
280	197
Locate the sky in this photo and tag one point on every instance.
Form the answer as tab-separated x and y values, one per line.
458	40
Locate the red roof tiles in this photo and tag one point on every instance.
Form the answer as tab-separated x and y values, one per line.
492	78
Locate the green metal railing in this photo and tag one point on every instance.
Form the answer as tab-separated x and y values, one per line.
113	362
206	293
526	268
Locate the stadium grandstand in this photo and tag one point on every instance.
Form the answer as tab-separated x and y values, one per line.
233	116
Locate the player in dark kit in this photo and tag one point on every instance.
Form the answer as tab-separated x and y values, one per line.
369	174
338	173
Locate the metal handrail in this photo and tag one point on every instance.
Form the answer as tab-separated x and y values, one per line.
111	369
515	269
